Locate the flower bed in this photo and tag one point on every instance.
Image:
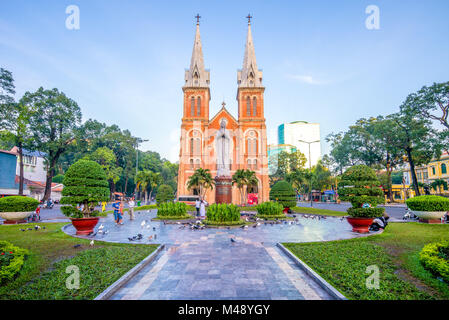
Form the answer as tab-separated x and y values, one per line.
11	260
435	258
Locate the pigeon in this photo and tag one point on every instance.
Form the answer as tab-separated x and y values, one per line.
22	229
228	228
143	223
154	228
139	236
305	216
36	227
242	227
130	239
77	246
91	243
182	227
29	229
233	240
255	226
294	216
101	227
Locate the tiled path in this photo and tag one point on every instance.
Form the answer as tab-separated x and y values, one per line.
205	264
213	267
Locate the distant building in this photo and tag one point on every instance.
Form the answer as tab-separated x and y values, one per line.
34	168
291	133
275	149
8	185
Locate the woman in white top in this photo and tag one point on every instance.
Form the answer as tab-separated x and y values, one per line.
131	205
203	209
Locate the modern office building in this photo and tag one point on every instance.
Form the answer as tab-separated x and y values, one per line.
297	133
275	149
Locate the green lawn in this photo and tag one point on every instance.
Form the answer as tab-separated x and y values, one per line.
396	252
323	212
43	274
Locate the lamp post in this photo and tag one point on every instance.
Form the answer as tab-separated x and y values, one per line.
310	169
137	160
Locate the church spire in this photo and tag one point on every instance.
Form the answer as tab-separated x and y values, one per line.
249	75
197	75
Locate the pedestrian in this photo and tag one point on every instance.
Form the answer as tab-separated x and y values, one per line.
203	209
131	205
117	216
197	206
103	206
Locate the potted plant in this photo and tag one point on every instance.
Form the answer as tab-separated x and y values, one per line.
360	186
16	209
430	208
85	185
283	193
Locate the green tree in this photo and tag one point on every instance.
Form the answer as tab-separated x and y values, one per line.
147	179
165	193
201	179
283	193
107	160
52	125
239	179
14	119
321	177
84	183
285	162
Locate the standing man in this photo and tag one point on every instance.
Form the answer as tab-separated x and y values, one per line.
197	206
131	205
117	215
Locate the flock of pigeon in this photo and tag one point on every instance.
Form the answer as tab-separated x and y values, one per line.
36	227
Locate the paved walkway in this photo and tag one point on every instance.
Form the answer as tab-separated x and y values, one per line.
215	268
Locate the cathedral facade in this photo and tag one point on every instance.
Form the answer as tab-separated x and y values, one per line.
247	132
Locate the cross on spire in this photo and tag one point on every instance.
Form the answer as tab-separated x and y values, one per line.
223	104
249	17
197	18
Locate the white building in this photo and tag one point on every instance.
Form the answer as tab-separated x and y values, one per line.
34	168
291	133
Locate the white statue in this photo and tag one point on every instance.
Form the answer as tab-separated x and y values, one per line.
223	141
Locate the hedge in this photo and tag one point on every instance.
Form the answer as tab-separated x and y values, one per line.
434	257
8	269
171	209
269	209
223	213
428	203
18	204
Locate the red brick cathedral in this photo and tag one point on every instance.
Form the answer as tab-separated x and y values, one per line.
247	133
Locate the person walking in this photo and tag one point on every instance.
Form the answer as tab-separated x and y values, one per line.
131	205
103	206
117	215
203	209
197	206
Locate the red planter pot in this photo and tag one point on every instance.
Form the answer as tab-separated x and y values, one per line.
84	226
360	225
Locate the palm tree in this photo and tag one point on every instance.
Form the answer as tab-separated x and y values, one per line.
201	179
145	179
239	179
251	181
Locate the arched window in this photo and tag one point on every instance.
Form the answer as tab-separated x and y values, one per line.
198	107
255	164
191	146
443	169
254	146
249	164
192	107
197	146
248	146
248	106
191	164
254	106
197	163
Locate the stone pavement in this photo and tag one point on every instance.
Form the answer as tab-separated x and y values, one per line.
214	268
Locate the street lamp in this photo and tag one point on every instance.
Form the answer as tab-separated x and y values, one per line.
137	159
310	168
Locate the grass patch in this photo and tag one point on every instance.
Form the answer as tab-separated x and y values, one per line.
396	253
323	212
51	251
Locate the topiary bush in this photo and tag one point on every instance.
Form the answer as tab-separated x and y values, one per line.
172	210
283	193
18	204
428	203
85	183
11	260
359	185
165	193
223	213
435	258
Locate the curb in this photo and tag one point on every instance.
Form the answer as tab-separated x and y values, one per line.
315	276
113	288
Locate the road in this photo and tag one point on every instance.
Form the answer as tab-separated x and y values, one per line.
395	212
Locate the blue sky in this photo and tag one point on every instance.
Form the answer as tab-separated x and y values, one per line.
321	64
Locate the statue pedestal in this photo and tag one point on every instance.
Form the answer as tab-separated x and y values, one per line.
223	189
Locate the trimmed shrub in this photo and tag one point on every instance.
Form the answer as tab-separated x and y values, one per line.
165	193
222	213
428	203
172	209
11	260
283	193
434	257
85	183
18	204
269	209
359	185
